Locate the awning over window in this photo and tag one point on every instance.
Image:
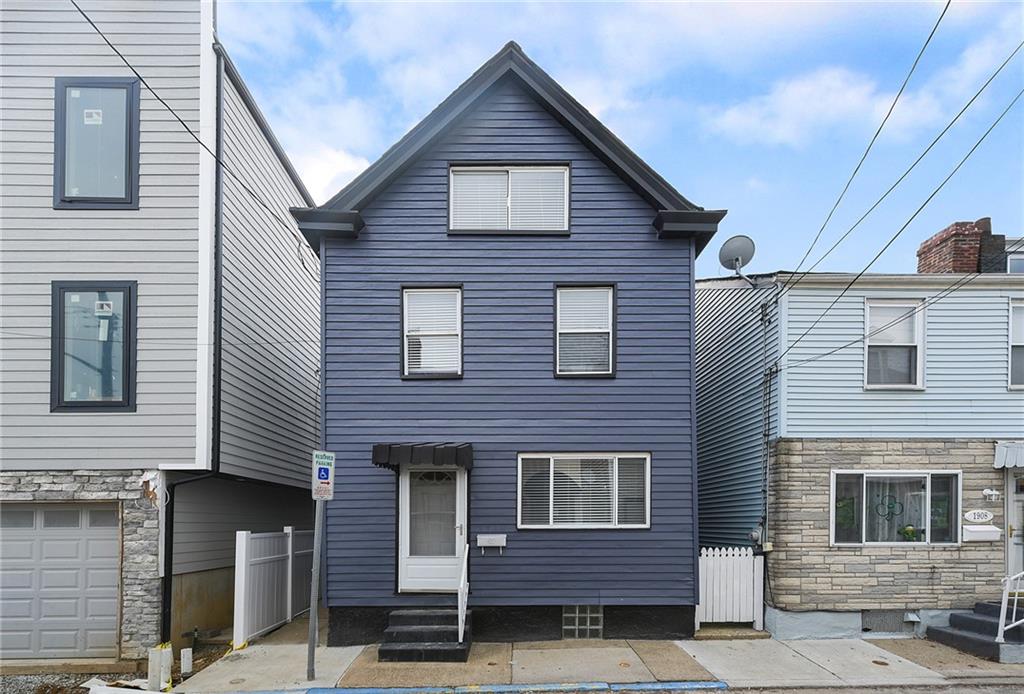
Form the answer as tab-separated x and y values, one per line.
393	455
1009	454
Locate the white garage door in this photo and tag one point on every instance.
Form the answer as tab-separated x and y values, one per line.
58	580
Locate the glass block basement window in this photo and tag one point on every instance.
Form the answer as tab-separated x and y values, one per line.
582	622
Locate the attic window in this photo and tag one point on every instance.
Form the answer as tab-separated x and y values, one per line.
509	199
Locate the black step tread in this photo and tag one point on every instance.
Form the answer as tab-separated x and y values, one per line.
397	618
992	608
424	652
420	633
984	624
967	641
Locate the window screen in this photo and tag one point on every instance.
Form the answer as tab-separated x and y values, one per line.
93	345
433	331
584	330
893	345
580	490
509	199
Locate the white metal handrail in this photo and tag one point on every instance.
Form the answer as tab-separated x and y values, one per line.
463	591
1016	580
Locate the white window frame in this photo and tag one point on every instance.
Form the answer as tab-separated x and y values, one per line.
1013	256
865	474
453	170
405	333
614	525
558	329
1014	303
919	343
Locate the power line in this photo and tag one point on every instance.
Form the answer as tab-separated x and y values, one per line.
881	125
946	291
905	225
202	144
788	286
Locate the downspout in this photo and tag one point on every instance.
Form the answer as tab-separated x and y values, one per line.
218	284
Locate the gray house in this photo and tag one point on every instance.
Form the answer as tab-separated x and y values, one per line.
508	383
878	461
159	340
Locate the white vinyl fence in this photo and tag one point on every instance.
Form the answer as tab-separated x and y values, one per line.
731	586
272	572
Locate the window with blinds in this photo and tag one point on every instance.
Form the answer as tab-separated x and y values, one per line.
584	491
894	344
585	338
518	198
432	334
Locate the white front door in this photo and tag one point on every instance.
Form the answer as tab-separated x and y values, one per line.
1015	520
431	528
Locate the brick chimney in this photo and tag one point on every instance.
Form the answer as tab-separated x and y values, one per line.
961	247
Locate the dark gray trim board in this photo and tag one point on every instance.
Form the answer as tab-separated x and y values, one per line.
317	224
250	103
128	356
61	201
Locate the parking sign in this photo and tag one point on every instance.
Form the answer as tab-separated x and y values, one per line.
323	476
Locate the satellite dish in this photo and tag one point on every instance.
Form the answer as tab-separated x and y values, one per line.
736	252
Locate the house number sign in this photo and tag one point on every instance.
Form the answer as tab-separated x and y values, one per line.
978	516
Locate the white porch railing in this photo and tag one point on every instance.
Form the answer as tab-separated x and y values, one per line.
1011	584
731	586
271	580
463	591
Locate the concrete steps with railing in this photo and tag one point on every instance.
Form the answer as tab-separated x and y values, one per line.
975	633
425	636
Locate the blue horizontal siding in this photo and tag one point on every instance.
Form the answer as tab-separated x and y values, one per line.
508	401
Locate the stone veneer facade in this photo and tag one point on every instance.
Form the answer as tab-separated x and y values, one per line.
807	574
139	627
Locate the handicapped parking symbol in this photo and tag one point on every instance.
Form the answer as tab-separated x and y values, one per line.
323	473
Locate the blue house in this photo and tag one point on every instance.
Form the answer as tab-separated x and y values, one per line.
507	311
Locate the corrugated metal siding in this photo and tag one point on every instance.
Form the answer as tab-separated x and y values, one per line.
733	349
209	512
508	401
270	316
156	245
966	362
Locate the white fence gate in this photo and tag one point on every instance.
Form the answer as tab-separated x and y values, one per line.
731	586
272	572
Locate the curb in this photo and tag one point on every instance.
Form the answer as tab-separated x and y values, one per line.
528	688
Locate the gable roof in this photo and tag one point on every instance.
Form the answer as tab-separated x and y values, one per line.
676	215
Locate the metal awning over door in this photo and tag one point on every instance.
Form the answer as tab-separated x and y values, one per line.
59	568
1009	454
394	455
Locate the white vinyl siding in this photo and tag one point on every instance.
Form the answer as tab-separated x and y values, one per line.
895	507
433	331
1017	344
584	490
894	344
584	331
510	198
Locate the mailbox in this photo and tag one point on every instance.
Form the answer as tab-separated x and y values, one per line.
485	541
981	533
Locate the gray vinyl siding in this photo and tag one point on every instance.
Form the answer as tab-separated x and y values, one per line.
208	513
966	368
270	314
733	348
155	245
508	401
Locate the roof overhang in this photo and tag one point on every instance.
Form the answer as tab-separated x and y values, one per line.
701	225
393	456
316	223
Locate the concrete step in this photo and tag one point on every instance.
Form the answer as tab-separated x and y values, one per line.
423	633
984	624
424	652
992	608
434	617
966	641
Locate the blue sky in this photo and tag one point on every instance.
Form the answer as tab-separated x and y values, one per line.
761	108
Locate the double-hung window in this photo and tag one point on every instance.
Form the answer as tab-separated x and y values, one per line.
96	143
585	331
511	199
584	490
1017	344
895	507
1015	261
432	332
93	346
894	344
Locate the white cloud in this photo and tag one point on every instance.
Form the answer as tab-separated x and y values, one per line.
325	170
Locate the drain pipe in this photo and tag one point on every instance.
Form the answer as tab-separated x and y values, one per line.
168	528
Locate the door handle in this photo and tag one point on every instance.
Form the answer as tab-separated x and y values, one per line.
1010	530
459	528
